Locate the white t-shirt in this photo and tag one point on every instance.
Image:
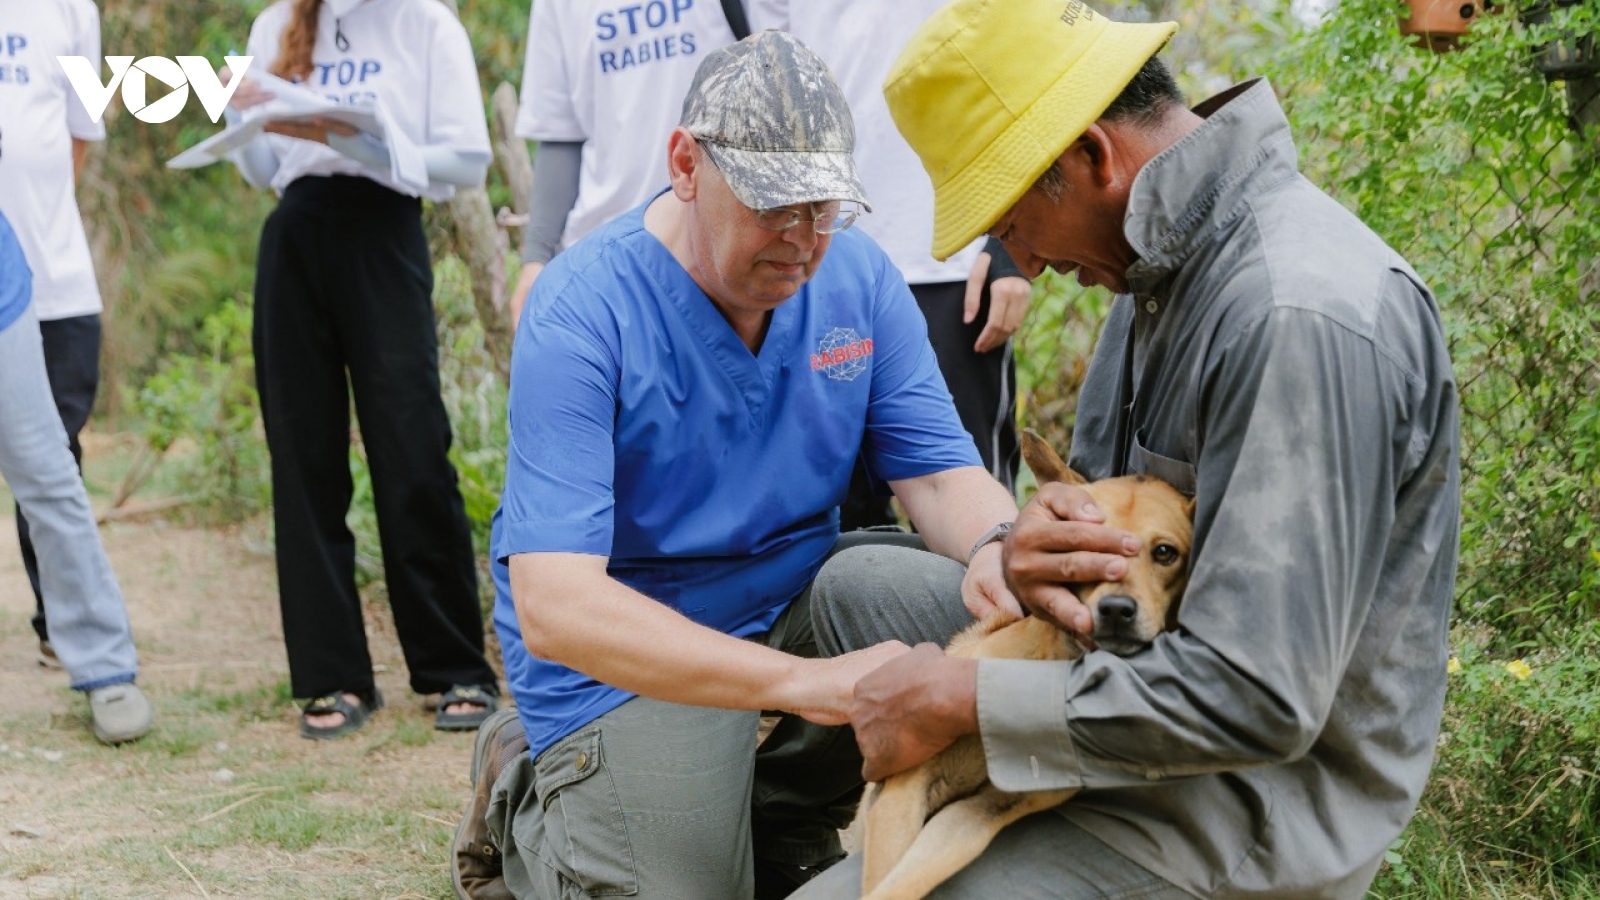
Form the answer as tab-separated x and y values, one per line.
859	40
412	54
613	75
40	114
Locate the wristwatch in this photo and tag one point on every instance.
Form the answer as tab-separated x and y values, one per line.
997	533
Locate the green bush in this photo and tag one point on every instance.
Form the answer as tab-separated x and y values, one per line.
1516	785
200	411
1053	348
474	396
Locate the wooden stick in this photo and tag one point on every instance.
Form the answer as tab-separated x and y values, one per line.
138	509
236	804
186	871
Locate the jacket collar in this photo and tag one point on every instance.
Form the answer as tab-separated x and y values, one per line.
1204	181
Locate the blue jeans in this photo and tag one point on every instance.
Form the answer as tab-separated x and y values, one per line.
88	622
72	360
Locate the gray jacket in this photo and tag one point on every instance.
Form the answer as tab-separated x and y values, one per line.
1283	364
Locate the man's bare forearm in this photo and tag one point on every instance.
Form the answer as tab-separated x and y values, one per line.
574	614
954	508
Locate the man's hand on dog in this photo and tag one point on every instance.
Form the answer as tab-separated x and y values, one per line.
912	707
1059	540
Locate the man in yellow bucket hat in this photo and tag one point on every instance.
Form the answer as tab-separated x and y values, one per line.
1270	356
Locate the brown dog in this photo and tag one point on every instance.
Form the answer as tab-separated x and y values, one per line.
926	824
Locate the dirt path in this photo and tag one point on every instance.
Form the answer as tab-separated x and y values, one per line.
199	601
81	820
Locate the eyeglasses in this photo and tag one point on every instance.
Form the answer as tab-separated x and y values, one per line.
831	217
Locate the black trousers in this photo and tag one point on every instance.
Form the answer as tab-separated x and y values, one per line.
344	304
72	361
982	384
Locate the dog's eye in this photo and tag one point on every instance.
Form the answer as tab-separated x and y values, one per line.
1164	554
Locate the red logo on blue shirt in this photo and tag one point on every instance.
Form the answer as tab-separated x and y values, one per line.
842	354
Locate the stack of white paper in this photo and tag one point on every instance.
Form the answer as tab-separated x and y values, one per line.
293	103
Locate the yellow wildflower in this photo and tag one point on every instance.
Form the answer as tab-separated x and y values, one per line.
1518	668
1453	666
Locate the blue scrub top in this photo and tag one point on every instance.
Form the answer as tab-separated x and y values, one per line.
16	279
645	431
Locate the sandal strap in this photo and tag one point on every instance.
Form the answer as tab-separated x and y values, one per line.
328	704
477	695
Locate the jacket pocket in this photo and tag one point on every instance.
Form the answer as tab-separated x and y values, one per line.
584	835
1175	472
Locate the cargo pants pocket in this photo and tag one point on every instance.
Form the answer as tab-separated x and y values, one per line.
581	833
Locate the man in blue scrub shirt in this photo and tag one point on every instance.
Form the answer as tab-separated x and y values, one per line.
691	385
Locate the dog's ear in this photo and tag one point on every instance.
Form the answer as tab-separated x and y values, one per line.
1188	507
1043	461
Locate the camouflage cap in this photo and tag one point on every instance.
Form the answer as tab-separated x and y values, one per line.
775	123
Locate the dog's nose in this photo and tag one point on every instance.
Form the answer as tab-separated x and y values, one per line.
1118	612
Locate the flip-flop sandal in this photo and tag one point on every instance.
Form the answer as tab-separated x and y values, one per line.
354	716
484	704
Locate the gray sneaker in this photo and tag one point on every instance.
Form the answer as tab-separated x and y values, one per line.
121	712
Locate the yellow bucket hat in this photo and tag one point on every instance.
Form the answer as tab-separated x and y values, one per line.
990	92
